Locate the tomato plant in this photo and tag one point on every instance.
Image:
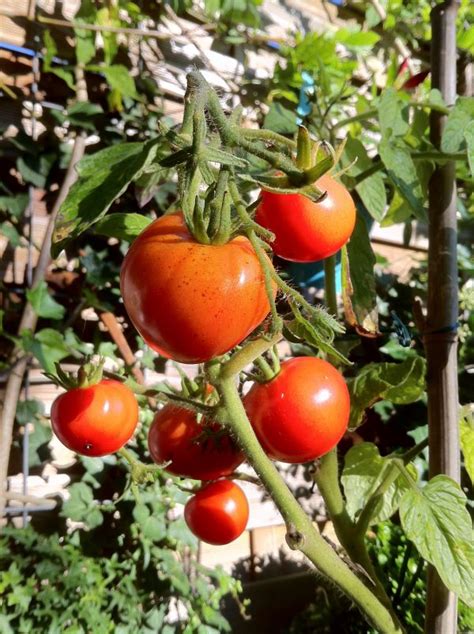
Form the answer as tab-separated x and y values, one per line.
306	231
95	420
217	513
302	413
182	295
203	451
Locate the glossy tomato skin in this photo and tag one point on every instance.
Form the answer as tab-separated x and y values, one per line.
95	420
306	231
302	413
218	513
191	301
175	435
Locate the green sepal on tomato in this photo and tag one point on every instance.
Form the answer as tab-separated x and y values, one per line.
307	231
191	301
302	413
199	450
218	513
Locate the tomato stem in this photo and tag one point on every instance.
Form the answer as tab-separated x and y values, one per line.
330	284
306	537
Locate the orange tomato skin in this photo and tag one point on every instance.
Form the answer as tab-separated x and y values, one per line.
175	436
95	420
217	513
307	231
191	301
302	413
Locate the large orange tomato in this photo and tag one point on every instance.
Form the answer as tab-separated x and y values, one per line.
306	231
192	301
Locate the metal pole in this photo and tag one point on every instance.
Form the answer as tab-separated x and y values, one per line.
441	324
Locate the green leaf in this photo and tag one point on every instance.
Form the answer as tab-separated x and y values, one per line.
35	169
38	442
43	304
122	226
400	383
364	470
469	136
85	44
372	189
10	232
393	114
467	438
402	172
358	280
14	205
280	119
458	120
82	114
47	345
154	528
357	40
437	521
118	77
398	211
80	506
102	178
465	39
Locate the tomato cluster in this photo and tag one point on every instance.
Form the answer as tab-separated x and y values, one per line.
191	302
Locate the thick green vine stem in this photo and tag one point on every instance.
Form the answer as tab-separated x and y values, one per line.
302	534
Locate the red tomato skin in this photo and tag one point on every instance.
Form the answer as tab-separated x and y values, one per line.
191	301
95	420
217	513
173	437
302	413
306	231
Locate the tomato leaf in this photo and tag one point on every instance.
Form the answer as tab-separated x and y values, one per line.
458	120
122	226
469	136
467	438
80	506
437	521
280	119
42	302
402	172
364	469
400	383
371	190
102	178
358	280
393	114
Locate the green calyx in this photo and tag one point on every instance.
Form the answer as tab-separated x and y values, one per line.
211	149
87	375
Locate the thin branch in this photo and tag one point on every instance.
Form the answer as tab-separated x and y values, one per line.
29	318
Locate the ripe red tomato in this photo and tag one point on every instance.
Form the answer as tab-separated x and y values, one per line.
218	513
306	231
95	420
175	435
192	301
302	413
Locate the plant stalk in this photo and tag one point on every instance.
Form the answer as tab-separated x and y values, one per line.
302	535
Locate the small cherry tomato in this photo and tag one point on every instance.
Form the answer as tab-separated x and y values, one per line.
306	231
200	451
95	420
217	513
302	413
191	301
